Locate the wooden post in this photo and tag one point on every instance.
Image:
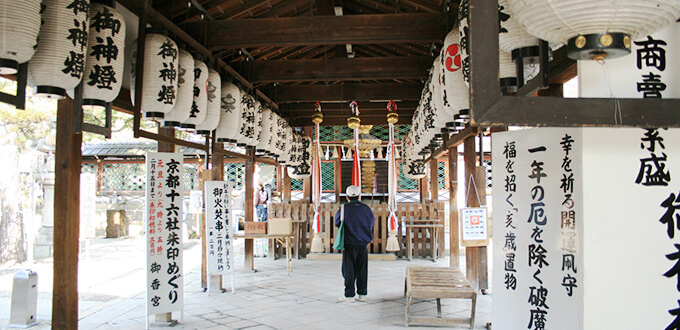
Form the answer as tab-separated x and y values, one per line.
476	268
68	161
434	180
248	206
424	193
454	239
338	176
286	185
165	147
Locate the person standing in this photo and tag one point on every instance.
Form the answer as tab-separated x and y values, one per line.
262	197
359	221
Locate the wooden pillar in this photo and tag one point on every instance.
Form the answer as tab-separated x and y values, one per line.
165	147
216	174
424	189
337	176
68	161
286	185
248	205
476	268
454	239
434	180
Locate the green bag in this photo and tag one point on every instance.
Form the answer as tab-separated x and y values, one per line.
339	243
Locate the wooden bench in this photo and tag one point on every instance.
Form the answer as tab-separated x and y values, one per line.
437	283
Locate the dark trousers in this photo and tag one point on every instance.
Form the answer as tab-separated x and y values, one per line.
355	269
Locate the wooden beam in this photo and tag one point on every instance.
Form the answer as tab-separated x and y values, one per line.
349	91
304	109
341	121
324	30
364	68
454	141
68	158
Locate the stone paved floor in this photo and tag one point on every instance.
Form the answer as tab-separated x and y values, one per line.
111	286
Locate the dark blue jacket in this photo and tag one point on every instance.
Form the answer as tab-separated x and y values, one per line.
359	220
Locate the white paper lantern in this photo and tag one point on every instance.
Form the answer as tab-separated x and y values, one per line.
281	139
105	57
265	135
19	28
247	129
456	91
304	167
512	36
161	60
289	139
199	107
258	123
212	117
594	29
464	32
271	135
230	119
59	62
185	91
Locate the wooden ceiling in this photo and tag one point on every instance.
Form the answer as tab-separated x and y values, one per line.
298	52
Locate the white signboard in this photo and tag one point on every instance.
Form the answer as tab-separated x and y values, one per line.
474	225
219	227
537	213
195	202
165	282
606	215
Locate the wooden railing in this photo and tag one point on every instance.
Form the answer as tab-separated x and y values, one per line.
405	212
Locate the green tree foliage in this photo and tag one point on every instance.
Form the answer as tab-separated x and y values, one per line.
18	127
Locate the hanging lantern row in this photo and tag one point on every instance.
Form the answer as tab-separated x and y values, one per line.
444	105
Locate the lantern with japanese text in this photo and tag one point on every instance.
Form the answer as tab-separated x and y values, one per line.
59	62
185	91
463	33
594	29
105	57
263	145
514	40
212	117
246	133
257	128
161	59
280	140
303	169
20	25
289	139
231	113
199	107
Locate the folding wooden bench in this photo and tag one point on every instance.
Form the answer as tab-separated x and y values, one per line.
437	283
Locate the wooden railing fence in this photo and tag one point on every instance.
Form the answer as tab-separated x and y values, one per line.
405	212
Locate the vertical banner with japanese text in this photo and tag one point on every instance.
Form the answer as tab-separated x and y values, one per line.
163	224
219	227
537	207
587	234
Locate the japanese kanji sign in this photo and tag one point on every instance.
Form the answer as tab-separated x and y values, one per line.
163	225
537	215
219	227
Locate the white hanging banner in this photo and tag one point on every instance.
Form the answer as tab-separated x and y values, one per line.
163	223
537	209
219	227
196	202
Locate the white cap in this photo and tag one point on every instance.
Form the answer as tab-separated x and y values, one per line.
353	191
